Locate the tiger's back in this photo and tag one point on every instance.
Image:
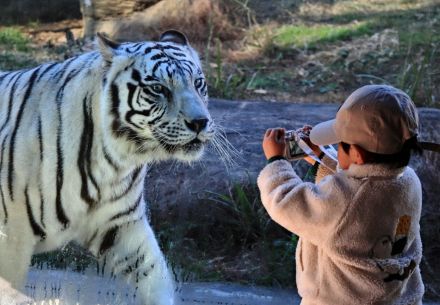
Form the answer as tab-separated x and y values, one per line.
74	140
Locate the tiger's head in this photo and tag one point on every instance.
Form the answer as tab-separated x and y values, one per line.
156	97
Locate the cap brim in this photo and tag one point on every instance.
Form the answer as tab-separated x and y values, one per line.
324	134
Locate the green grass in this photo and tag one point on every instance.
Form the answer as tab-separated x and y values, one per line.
13	39
235	240
269	80
222	83
303	35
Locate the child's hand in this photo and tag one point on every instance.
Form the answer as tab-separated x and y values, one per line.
274	143
316	150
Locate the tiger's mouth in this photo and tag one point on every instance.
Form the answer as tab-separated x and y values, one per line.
192	146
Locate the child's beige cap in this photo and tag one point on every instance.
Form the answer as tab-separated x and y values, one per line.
378	118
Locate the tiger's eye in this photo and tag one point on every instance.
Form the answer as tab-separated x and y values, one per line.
198	82
157	88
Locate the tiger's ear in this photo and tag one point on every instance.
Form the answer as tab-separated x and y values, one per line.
107	47
174	36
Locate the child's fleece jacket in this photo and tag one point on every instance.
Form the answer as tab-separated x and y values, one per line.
359	232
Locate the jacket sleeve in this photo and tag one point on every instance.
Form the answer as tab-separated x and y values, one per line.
311	211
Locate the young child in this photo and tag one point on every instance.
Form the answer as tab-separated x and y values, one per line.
359	228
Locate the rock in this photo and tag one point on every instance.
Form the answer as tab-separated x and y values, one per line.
427	168
177	190
137	20
96	11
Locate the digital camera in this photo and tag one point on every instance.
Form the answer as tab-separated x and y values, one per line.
293	145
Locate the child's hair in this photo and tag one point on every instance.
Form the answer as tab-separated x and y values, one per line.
397	160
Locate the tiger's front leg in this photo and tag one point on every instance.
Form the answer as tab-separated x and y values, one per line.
131	250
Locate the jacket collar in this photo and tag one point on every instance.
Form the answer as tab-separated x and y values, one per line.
373	170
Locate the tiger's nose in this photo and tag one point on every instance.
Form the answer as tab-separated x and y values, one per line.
197	125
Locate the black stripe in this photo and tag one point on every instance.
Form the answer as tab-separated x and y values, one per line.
133	183
186	69
203	88
89	243
131	113
90	58
150	78
128	256
136	75
152	122
188	65
41	207
38	231
68	78
161	47
50	67
131	135
179	70
114	92
109	159
103	265
117	128
40	138
171	47
131	90
108	240
158	56
14	133
179	54
16	73
169	73
146	98
157	65
61	215
89	152
11	97
4	76
65	66
41	148
134	48
147	272
1	185
149	49
148	91
84	155
129	210
185	61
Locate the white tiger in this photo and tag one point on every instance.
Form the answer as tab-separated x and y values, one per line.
74	139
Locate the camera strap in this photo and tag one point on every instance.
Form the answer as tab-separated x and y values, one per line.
328	151
430	146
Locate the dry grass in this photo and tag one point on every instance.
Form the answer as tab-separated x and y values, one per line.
347	8
328	49
302	52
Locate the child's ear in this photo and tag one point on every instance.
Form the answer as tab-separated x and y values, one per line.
358	155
